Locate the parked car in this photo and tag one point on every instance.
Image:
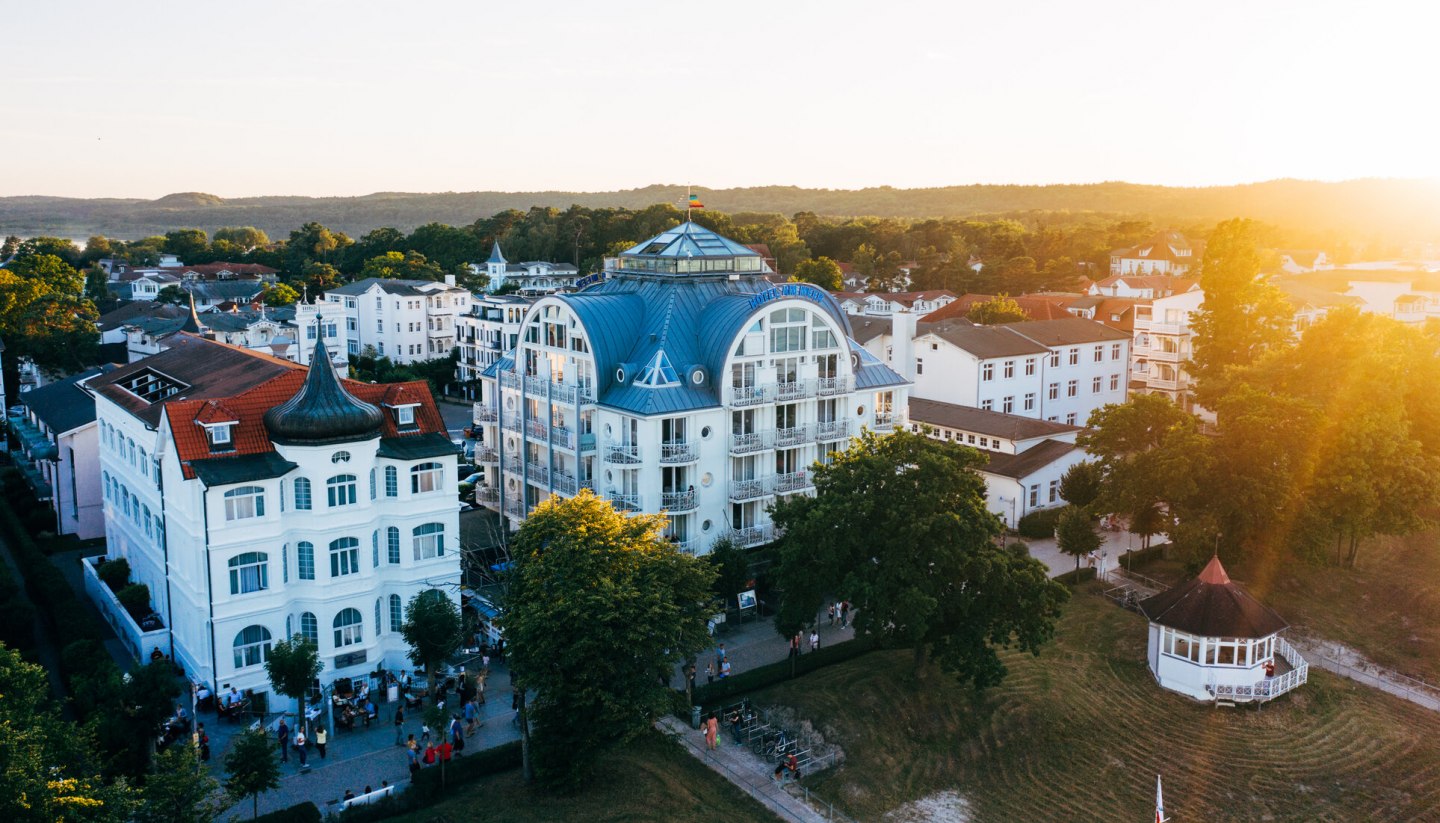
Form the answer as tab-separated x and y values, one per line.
474	479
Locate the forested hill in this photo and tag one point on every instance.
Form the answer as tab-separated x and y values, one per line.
1396	209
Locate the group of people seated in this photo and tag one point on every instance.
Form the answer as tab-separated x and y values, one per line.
233	704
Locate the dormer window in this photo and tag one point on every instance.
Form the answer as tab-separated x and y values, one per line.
405	415
219	435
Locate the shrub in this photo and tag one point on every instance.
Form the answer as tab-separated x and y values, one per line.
306	812
136	600
426	789
1017	548
1040	524
1076	577
769	675
114	573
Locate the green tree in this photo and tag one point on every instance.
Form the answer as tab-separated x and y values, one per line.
179	789
252	767
319	278
998	309
190	245
244	238
280	295
1075	534
899	527
732	570
408	266
432	629
599	611
822	271
292	666
51	271
49	246
1244	315
174	295
313	242
9	247
1081	484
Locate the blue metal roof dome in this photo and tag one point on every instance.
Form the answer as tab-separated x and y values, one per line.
322	411
689	249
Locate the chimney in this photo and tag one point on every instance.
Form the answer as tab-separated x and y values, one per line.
903	324
449	279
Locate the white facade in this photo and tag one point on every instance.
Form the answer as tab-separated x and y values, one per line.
490	329
407	321
56	431
253	541
1164	344
530	278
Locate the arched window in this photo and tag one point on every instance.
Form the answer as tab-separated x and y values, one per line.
310	628
372	484
284	568
375	549
426	478
305	560
302	493
344	557
392	545
249	573
244	502
340	490
252	646
348	628
392	482
397	613
429	541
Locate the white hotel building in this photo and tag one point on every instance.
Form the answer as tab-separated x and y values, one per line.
682	381
259	499
407	321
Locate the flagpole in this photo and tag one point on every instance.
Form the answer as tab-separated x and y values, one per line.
687	202
1159	803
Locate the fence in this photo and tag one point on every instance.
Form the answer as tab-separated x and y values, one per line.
1413	689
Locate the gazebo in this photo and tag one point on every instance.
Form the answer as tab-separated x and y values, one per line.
1210	640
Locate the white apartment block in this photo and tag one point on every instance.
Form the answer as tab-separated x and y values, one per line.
58	456
258	499
490	329
407	321
682	382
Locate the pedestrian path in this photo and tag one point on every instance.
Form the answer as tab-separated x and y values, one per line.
1347	663
743	768
755	643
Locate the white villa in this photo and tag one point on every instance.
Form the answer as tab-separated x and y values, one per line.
405	320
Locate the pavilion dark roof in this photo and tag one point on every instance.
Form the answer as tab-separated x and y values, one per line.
1212	605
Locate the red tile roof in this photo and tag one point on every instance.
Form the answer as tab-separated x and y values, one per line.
1035	307
249	435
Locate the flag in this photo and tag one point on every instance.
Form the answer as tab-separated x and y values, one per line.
1159	802
695	202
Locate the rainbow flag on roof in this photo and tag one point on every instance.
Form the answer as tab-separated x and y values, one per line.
695	202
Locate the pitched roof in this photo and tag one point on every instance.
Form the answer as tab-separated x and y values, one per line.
984	342
866	328
688	240
1029	461
63	405
411	288
1163	245
1066	332
1212	605
984	421
1036	307
137	309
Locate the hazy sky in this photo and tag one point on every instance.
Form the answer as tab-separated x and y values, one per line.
140	99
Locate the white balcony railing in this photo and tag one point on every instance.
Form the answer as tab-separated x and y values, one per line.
563	483
884	421
794	390
747	395
538	473
512	463
748	536
748	489
832	429
792	482
678	453
625	501
622	453
514	508
510	380
511	423
682	501
747	443
484	414
833	385
537	429
486	456
792	436
487	495
562	437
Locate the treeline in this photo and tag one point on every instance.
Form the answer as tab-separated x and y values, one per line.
1367	211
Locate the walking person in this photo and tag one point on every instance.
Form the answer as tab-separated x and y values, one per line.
399	725
300	748
202	742
724	669
814	640
844	614
282	734
457	734
735	726
832	612
712	732
320	740
709	673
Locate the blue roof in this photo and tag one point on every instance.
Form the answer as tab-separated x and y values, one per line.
495	255
689	240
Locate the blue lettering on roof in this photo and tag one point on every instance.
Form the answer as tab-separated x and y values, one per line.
804	290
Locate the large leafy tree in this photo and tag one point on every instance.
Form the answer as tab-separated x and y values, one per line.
433	629
822	271
251	768
190	245
242	238
408	266
899	527
999	309
599	611
47	770
49	246
1244	315
44	315
1075	534
179	789
293	666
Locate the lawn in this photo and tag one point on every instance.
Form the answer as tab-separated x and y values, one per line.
1080	732
653	779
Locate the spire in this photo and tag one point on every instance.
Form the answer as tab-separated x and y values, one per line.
495	255
322	411
1214	573
192	323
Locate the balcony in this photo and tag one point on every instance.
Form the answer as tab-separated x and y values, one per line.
486	456
537	429
485	414
1162	356
511	423
833	430
687	546
747	395
564	483
793	482
624	501
741	490
1161	328
885	421
562	437
510	380
678	453
538	473
558	392
515	508
828	386
492	345
748	536
792	436
622	453
487	495
678	501
748	443
512	463
795	390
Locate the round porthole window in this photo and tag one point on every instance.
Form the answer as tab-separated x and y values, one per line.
510	403
705	527
706	479
705	433
860	412
620	375
511	484
608	430
609	476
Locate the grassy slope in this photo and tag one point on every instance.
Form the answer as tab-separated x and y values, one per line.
652	780
1080	732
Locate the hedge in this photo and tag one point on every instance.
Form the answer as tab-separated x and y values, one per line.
1040	524
306	812
114	573
1140	557
772	673
1076	576
425	789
